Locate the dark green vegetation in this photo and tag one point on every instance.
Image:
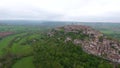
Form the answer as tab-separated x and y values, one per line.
30	47
54	53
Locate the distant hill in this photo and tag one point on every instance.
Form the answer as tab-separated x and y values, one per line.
33	23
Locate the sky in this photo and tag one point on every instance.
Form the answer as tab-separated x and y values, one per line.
61	10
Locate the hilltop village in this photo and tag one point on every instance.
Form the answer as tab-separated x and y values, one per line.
96	44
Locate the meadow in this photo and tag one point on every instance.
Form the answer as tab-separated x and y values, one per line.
16	49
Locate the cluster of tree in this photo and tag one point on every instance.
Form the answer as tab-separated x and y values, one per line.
54	53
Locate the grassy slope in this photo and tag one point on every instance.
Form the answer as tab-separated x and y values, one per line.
24	63
6	41
17	48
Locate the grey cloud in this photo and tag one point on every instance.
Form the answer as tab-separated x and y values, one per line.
29	13
45	15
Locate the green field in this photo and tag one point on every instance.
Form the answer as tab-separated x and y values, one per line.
24	63
5	41
19	45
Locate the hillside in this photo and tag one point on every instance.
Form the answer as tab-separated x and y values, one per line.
70	46
95	43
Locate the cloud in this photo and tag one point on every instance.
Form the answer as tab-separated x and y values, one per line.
74	10
28	14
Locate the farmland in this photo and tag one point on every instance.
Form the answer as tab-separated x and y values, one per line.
16	43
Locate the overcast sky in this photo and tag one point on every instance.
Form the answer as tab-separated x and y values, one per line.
62	10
